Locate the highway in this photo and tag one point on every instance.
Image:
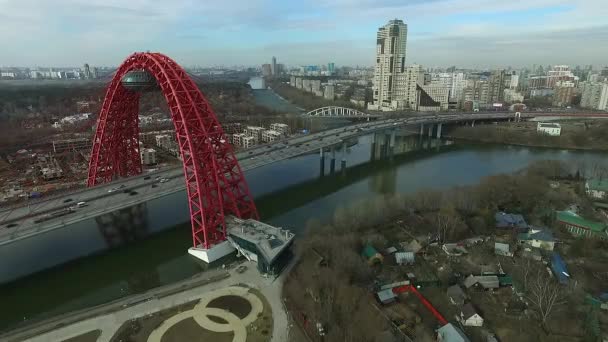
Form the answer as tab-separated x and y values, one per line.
53	213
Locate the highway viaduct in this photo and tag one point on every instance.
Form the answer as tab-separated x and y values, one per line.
33	218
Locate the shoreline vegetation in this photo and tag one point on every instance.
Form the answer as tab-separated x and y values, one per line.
576	135
332	284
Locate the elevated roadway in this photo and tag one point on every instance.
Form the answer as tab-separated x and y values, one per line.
53	213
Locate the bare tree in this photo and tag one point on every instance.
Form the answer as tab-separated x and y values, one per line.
446	220
544	293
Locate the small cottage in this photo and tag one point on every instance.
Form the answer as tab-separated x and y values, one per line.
456	295
371	255
451	333
469	316
539	238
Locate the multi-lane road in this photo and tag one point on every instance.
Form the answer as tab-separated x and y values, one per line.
55	212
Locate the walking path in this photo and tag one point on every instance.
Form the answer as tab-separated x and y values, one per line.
109	323
201	313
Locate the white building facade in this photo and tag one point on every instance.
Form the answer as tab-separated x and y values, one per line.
390	89
594	95
549	128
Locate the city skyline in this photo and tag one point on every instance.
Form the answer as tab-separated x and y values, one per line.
469	34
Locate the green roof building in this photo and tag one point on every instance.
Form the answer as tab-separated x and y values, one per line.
579	226
597	188
371	255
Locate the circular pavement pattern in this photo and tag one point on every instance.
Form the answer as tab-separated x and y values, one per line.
232	308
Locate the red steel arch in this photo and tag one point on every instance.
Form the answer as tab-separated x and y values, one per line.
215	184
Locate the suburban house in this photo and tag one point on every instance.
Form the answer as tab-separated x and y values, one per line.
539	238
596	188
502	249
386	296
456	295
549	128
558	266
469	316
371	255
507	221
579	226
484	281
451	333
404	258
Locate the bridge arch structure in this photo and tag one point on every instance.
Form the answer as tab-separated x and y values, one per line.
215	184
335	111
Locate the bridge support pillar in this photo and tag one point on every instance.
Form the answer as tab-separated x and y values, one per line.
391	144
421	129
473	123
343	164
332	162
321	162
439	125
373	146
430	130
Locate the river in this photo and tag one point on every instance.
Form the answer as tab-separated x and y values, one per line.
288	193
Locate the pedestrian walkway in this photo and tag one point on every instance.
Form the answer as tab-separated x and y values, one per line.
202	311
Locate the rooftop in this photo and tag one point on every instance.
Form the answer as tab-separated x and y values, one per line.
597	184
549	125
468	311
450	333
269	240
575	220
542	235
505	220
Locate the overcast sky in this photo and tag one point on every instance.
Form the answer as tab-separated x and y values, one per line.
465	33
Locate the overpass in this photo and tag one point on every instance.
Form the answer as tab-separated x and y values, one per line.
52	213
338	112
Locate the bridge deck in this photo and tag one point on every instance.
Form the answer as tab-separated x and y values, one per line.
24	221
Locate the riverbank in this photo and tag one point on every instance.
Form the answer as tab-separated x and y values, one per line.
157	311
287	194
431	224
534	145
586	135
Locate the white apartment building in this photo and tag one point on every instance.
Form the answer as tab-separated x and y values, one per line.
459	82
594	95
280	127
163	140
512	96
315	86
438	93
148	156
306	85
391	89
549	128
271	136
329	92
255	132
248	142
237	139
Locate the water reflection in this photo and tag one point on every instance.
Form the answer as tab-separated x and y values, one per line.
124	225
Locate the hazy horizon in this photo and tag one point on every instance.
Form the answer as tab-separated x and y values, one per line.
465	33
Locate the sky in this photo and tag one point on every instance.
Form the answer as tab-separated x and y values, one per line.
464	33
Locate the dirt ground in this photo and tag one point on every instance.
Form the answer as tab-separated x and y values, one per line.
261	329
91	336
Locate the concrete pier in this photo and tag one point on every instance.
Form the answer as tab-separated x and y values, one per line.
332	162
439	125
321	162
343	163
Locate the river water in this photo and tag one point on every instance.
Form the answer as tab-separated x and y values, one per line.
287	193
